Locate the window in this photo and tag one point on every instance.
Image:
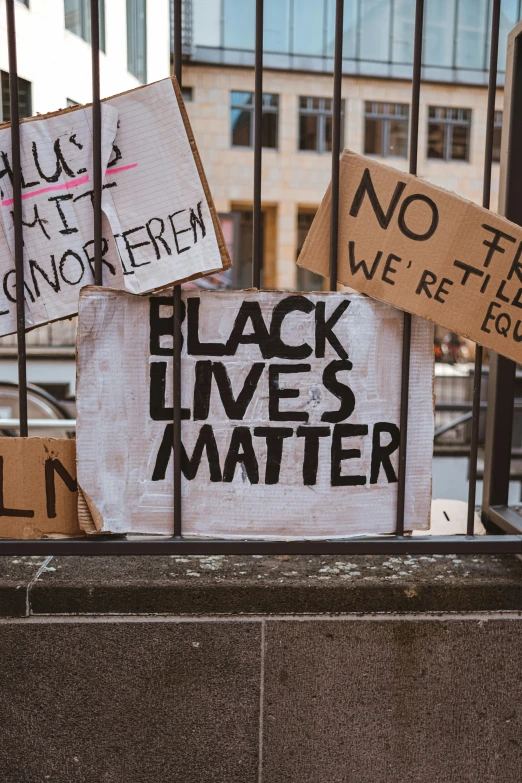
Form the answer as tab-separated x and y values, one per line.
187	94
24	98
78	19
386	129
242	119
448	133
471	33
375	30
308	27
497	136
306	280
137	39
315	124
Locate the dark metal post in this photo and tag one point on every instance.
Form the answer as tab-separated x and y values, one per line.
96	141
501	385
17	212
336	142
486	193
406	337
258	148
176	341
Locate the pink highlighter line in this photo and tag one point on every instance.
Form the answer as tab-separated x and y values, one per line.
63	186
121	168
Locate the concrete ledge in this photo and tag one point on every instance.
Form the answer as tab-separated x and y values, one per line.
259	585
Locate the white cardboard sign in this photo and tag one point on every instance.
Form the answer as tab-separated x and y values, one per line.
290	414
159	223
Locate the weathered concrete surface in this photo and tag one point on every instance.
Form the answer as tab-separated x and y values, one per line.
261	669
377	701
129	702
281	585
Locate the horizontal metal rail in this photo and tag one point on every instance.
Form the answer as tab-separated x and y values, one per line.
376	545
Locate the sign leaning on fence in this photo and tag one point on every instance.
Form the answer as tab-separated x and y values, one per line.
425	250
159	224
290	409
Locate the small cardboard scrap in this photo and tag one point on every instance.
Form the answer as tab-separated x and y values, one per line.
290	414
38	490
159	222
425	250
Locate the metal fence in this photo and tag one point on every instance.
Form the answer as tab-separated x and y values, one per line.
504	525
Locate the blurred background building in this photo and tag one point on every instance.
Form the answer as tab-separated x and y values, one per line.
218	82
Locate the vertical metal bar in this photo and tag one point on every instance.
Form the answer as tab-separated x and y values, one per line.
406	337
176	340
502	371
17	214
336	142
258	148
486	194
96	141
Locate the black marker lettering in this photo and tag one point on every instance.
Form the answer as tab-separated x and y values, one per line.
274	437
67	229
66	255
311	451
130	247
155	238
324	329
34	267
241	438
338	454
381	454
53	466
277	348
275	393
366	187
355	266
408	232
339	390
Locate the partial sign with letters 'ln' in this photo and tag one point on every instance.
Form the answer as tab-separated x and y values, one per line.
38	490
159	222
289	420
425	250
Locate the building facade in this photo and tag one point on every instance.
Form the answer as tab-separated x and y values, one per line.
54	67
218	81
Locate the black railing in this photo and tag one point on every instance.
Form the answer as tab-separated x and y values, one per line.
504	524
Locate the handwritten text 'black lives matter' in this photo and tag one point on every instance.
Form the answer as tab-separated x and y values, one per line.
283	365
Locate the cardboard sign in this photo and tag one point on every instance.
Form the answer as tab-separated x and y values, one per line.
424	250
38	490
290	414
159	222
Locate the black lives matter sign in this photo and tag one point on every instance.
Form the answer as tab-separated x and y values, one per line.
426	251
290	414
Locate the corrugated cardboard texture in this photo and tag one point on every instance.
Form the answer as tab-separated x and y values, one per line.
38	496
299	380
424	250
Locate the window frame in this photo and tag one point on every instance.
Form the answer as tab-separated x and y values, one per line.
249	107
449	124
387	118
497	123
131	12
322	115
22	83
85	23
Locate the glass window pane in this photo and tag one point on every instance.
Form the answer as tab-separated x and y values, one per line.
471	33
460	142
328	134
241	128
508	19
308	27
276	26
436	139
24	98
242	98
438	32
269	130
349	28
398	139
73	16
403	31
373	137
308	132
497	137
239	24
375	30
137	39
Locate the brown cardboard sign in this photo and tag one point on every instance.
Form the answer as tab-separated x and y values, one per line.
290	414
38	489
425	250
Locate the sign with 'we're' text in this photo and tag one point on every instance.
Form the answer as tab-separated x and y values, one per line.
290	414
159	222
425	250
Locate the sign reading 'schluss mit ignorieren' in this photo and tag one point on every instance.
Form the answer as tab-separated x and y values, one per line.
289	420
159	222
